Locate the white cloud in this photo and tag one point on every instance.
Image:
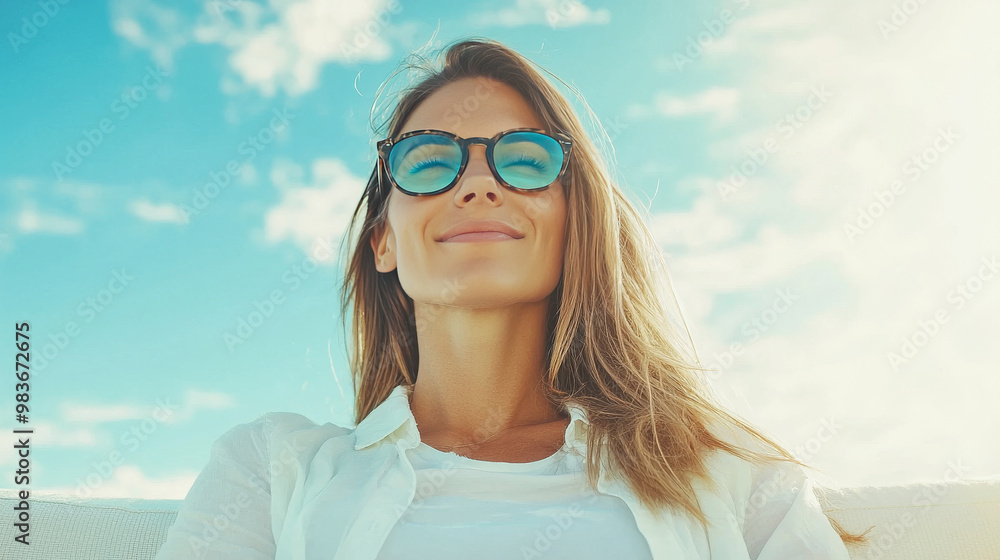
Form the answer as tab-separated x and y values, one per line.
703	226
283	45
166	212
719	102
31	220
161	409
151	26
555	13
129	481
287	44
196	399
313	216
51	434
827	355
94	413
63	209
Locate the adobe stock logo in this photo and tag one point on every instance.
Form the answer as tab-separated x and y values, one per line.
786	126
138	433
958	297
914	168
713	29
250	147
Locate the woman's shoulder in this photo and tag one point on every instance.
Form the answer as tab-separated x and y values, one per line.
279	421
743	479
774	503
298	427
279	432
283	423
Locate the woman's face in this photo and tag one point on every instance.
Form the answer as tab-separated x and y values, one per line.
475	273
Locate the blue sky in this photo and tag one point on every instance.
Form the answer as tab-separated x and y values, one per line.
817	176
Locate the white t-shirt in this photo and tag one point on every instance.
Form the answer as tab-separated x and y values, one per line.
542	509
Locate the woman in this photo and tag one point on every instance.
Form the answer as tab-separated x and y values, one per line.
520	392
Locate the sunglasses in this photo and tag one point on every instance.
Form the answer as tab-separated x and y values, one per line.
429	162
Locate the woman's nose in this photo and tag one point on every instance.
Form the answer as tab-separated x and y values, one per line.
477	181
478	164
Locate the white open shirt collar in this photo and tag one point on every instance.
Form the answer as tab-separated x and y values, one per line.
394	413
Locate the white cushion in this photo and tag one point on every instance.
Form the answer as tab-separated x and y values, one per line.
951	520
944	521
63	527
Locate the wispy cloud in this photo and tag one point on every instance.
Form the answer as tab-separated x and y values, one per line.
196	399
51	434
166	212
31	220
44	207
157	28
162	409
718	102
705	226
129	481
96	413
554	13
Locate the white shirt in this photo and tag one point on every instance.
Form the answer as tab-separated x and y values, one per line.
283	487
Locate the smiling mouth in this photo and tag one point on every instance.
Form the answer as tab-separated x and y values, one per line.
479	236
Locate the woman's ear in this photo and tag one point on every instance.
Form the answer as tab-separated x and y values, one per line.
383	243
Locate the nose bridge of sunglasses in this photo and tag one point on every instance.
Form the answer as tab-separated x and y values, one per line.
478	155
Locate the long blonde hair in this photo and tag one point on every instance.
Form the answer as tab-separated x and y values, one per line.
611	347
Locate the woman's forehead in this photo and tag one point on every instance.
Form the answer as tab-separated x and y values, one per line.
469	108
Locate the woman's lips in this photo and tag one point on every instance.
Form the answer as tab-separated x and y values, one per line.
479	236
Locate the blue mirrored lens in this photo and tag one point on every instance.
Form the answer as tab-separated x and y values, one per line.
425	163
528	160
